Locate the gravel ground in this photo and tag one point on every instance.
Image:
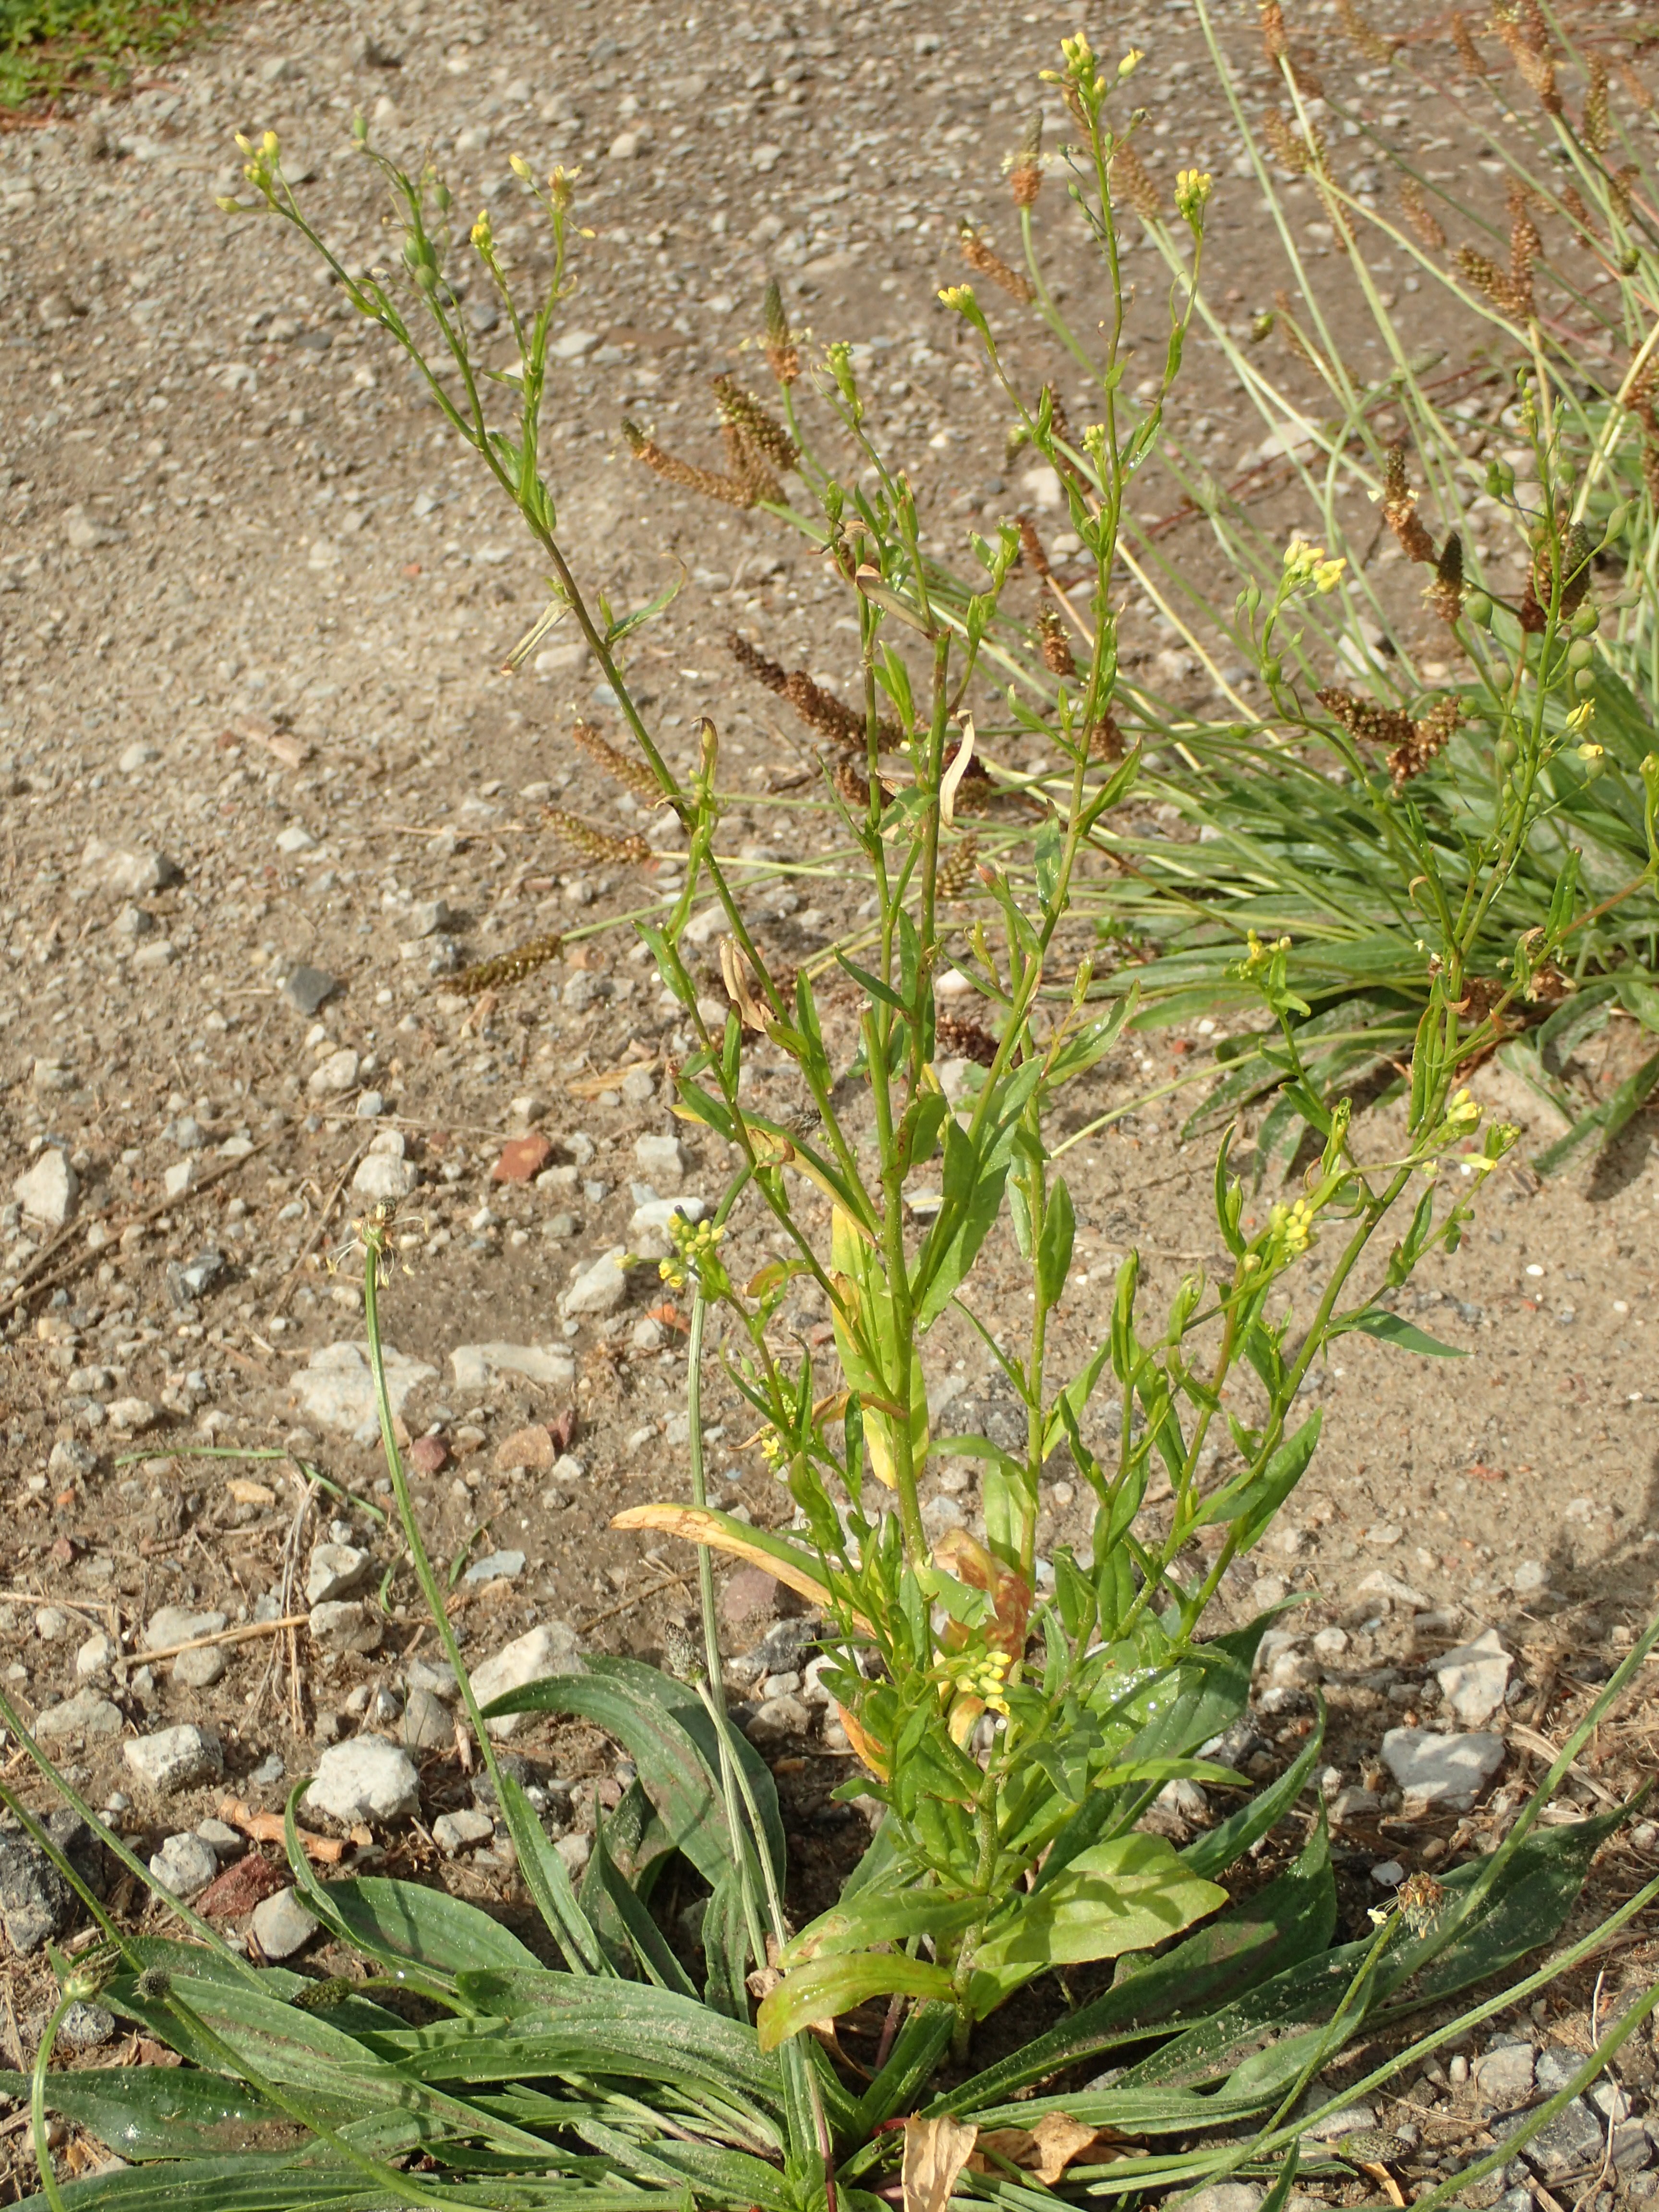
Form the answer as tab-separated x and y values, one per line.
264	790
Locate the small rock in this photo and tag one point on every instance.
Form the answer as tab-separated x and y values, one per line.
1354	1804
495	1566
179	1178
282	1925
777	1719
575	1849
174	1758
98	1652
49	1191
83	531
435	1675
532	1448
131	875
243	1885
309	988
661	1160
750	1594
86	2028
379	1177
35	1900
51	1623
1396	1592
367	1779
552	1649
131	1415
600	1289
175	1624
1529	1578
1571	2143
71	1461
1504	2076
427	1725
345	1625
1351	2120
224	1841
427	916
296	838
429	1454
1449	1771
336	1388
476	1365
522	1159
454	1833
185	1864
336	1571
371	1104
199	1669
88	1712
1227	2197
335	1075
1474	1678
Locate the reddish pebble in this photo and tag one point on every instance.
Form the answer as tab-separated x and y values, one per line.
240	1888
429	1454
521	1159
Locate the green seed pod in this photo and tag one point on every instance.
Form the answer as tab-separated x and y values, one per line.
1478	608
1587	621
1272	669
1508	751
1616	521
1580	652
425	275
1584	683
1594	759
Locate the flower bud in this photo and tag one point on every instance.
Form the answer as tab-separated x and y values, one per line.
1594	759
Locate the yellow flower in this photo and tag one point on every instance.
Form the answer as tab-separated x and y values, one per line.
1192	190
1130	62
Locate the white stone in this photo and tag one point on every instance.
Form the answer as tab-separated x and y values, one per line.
573	344
380	1177
552	1649
661	1160
130	1414
600	1288
295	838
1504	2076
575	1849
345	1625
224	1841
1225	2197
367	1779
1474	1678
87	1713
1449	1771
1396	1592
199	1669
1529	1578
475	1365
176	1624
336	1571
49	1191
98	1652
174	1758
178	1178
130	874
185	1864
457	1832
282	1924
336	1073
336	1389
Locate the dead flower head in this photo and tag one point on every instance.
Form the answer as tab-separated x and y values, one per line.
507	968
782	353
979	255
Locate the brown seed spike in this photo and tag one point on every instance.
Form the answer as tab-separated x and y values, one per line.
1365	719
979	257
1634	86
1467	52
508	967
1374	48
1031	546
1106	740
754	425
1056	646
1288	144
749	469
1399	508
633	775
674	471
957	1039
959	869
1597	127
782	355
1420	216
596	844
1445	593
1427	739
1500	287
1620	185
1130	176
851	785
1274	43
820	710
755	662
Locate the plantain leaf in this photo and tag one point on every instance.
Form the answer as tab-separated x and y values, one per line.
829	1987
403	1920
1125	1895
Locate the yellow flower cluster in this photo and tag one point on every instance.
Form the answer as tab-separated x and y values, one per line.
1291	1228
1307	564
695	1243
984	1675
